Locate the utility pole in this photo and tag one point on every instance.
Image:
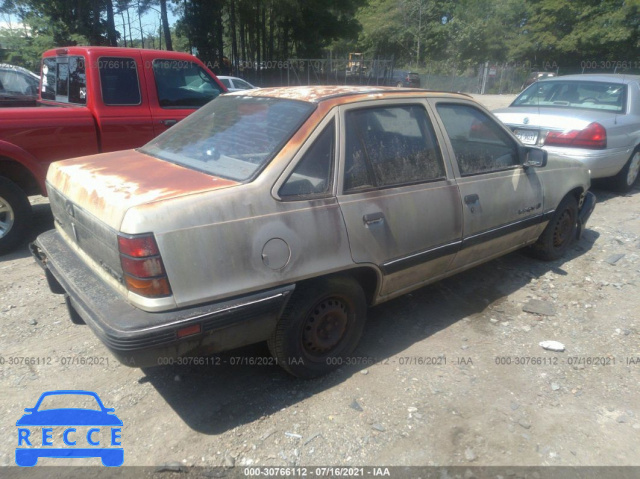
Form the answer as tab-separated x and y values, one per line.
484	77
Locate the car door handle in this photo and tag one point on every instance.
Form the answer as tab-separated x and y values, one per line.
169	122
373	218
470	199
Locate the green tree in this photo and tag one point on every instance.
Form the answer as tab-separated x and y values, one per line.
411	31
563	32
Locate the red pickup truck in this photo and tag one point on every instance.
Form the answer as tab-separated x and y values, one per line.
92	100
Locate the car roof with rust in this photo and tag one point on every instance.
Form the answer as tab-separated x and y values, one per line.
316	94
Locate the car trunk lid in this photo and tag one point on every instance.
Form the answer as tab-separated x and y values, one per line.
90	196
107	185
532	124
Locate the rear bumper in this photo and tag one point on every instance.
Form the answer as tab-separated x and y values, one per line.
139	338
602	163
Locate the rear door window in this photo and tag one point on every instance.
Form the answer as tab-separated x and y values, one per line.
390	146
119	81
182	84
64	79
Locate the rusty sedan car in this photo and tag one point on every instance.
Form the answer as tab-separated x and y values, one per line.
282	214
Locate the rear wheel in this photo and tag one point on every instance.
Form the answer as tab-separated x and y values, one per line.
628	175
15	214
322	324
560	233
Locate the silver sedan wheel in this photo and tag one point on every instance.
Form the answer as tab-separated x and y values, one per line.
634	168
7	217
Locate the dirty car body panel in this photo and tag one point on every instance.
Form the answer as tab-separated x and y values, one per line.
213	235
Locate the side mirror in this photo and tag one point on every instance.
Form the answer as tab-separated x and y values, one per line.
535	157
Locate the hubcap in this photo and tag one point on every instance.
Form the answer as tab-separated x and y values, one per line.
634	168
325	327
563	229
7	217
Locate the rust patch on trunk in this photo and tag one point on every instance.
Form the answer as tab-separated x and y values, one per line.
107	185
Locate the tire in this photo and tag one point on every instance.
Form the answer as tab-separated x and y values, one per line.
628	175
399	85
15	215
560	233
321	325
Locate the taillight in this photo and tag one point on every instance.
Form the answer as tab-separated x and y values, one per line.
138	246
594	136
143	269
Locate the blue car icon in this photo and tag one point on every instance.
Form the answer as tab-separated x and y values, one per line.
105	417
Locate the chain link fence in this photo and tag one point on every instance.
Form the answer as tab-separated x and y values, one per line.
484	78
446	76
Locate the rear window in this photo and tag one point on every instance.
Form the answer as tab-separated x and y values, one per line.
64	79
232	137
575	94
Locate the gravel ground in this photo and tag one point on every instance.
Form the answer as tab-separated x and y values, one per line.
450	375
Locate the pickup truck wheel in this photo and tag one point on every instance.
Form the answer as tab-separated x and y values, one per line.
15	213
559	233
628	175
321	324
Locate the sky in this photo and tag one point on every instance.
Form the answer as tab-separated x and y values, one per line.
150	21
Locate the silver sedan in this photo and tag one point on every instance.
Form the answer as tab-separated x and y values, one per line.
591	118
235	83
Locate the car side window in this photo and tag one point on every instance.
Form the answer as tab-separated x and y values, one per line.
390	146
242	84
183	84
119	81
313	174
479	144
15	82
64	79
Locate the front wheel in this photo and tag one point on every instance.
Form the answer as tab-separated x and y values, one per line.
320	326
628	175
15	214
560	233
